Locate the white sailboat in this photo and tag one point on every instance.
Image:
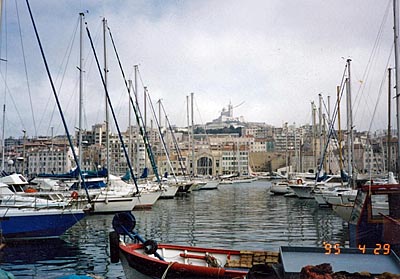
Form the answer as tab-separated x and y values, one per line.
27	217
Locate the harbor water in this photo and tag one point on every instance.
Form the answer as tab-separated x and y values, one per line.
238	216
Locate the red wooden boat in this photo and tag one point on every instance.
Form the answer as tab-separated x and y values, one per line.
185	262
149	260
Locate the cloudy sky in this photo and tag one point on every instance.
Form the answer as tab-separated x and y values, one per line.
270	58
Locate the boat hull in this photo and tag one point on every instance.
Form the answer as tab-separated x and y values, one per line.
147	200
169	192
180	262
42	224
280	189
114	204
303	191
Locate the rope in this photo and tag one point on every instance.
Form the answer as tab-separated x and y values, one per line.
166	270
25	68
56	96
212	261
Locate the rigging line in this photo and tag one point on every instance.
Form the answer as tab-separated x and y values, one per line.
6	51
25	68
161	137
380	89
13	100
372	55
111	108
341	86
201	121
139	118
57	100
176	145
140	77
88	69
65	60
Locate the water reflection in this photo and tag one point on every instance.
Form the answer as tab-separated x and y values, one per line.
238	216
241	217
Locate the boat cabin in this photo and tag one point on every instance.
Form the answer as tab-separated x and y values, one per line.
375	219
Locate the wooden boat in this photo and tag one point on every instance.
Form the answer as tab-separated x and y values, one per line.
375	217
188	262
151	260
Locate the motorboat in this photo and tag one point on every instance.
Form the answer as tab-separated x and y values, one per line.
281	188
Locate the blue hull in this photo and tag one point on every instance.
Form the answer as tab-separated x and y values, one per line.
40	225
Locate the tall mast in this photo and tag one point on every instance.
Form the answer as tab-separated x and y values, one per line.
129	121
138	124
397	77
188	128
4	105
350	146
320	128
106	103
314	134
192	131
389	135
329	129
340	131
81	17
144	123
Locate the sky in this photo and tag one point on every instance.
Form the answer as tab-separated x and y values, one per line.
269	58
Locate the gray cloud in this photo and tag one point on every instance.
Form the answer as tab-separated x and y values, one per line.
274	55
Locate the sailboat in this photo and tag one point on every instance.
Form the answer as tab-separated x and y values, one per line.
374	217
27	219
117	196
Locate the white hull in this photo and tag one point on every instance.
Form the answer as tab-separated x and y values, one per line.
320	199
114	204
344	198
280	189
210	185
303	191
343	210
169	192
129	271
147	199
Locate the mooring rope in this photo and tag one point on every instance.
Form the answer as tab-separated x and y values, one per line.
166	270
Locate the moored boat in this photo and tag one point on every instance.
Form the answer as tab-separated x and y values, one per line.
145	259
151	260
280	188
23	223
187	262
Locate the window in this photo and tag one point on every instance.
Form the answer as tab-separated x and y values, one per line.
379	205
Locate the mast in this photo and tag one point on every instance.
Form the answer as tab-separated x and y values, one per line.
295	148
389	135
144	123
192	131
4	105
188	127
340	131
330	126
138	124
2	138
321	155
106	102
314	135
397	78
350	145
129	121
81	16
